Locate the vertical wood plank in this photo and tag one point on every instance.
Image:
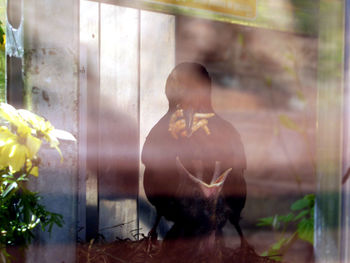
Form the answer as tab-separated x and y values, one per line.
329	131
118	128
51	44
346	142
82	156
157	59
86	10
89	39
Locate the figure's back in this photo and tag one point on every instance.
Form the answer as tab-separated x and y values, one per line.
161	178
205	146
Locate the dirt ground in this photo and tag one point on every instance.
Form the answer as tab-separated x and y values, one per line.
145	250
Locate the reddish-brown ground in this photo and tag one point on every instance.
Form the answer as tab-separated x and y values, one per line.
144	251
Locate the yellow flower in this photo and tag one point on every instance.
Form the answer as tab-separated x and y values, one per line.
46	130
10	114
33	144
33	170
37	122
30	126
12	153
14	149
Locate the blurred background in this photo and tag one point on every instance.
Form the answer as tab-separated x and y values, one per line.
98	69
264	83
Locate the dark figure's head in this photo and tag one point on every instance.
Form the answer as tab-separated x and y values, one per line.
189	86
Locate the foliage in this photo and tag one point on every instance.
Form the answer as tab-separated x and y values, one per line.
2	35
21	212
301	217
20	208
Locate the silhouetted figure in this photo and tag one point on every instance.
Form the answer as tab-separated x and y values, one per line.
194	161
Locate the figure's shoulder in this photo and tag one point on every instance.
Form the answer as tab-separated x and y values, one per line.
158	136
225	127
156	140
159	128
227	132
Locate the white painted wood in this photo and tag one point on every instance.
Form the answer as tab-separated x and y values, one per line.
118	127
88	26
89	42
81	224
327	235
157	59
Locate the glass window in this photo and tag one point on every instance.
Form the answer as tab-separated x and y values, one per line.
277	83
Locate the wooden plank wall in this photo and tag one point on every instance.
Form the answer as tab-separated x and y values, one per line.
89	94
127	63
157	60
118	132
329	132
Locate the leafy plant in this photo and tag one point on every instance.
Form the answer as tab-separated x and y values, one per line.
20	208
2	35
301	217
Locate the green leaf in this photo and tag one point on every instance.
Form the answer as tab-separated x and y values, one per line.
312	212
6	256
275	222
310	197
301	214
275	257
289	123
306	230
265	221
23	177
272	254
301	204
287	218
280	243
7	176
9	189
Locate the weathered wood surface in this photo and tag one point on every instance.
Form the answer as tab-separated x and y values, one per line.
118	117
126	68
329	132
89	96
157	59
51	78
